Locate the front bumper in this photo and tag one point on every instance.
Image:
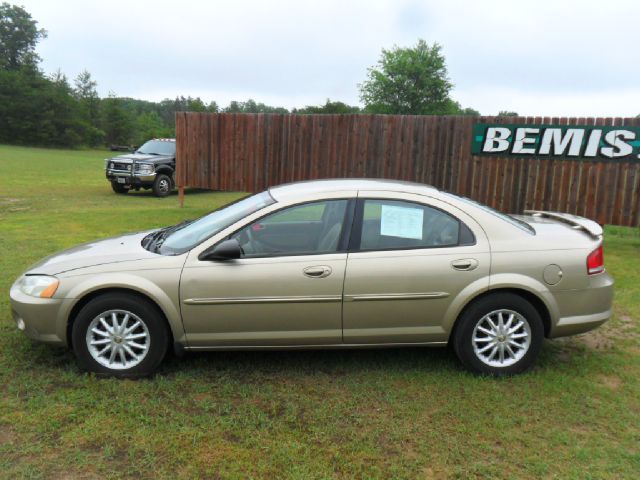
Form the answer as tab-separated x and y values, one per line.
128	178
38	317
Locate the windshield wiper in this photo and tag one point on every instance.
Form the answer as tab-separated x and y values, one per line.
156	239
151	238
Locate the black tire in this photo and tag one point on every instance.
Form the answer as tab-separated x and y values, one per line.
119	188
156	340
162	185
474	315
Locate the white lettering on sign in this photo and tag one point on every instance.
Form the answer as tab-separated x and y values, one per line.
401	222
496	140
522	139
560	141
552	137
593	143
618	148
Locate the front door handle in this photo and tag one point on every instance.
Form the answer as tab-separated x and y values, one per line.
318	271
464	264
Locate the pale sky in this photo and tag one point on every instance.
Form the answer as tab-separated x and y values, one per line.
542	57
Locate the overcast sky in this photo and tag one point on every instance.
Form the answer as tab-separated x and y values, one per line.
543	57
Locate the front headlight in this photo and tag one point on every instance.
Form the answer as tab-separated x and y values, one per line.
144	168
42	286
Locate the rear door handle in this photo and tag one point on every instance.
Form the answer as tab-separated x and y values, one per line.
464	264
317	271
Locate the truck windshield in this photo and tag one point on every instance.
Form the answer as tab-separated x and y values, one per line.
158	147
193	233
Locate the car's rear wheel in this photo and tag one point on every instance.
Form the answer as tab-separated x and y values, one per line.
119	188
162	185
120	335
499	334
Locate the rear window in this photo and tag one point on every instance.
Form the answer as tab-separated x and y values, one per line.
507	218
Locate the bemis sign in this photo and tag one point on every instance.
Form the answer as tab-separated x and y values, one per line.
587	142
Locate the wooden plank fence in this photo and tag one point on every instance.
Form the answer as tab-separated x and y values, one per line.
251	152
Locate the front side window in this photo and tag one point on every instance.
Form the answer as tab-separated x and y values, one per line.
392	224
310	228
188	236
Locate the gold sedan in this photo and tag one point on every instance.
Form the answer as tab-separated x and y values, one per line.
330	263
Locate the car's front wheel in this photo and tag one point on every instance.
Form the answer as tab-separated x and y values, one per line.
499	334
120	335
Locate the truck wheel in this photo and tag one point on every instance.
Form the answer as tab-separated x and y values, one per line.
162	185
119	188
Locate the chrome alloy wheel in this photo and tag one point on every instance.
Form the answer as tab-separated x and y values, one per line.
501	338
118	339
164	186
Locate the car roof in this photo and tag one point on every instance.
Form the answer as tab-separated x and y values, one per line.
302	189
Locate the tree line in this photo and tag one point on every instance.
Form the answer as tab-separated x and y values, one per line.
51	110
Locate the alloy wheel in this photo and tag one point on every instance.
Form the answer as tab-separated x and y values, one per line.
501	338
118	339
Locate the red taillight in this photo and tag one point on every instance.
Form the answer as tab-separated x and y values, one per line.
595	261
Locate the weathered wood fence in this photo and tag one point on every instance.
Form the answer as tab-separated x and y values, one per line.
250	152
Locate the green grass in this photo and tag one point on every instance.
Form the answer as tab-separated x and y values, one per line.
327	414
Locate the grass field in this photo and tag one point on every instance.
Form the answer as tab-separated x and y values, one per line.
411	413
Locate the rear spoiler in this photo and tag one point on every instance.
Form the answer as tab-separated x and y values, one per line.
578	223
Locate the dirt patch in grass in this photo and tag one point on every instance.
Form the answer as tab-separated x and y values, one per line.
605	337
6	435
12	205
429	473
597	340
612	382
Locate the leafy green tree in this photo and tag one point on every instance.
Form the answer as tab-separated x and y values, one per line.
86	93
149	125
470	111
35	110
116	121
411	81
89	105
195	105
455	108
328	107
19	35
251	106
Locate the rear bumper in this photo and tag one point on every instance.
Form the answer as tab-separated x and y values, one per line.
579	324
584	310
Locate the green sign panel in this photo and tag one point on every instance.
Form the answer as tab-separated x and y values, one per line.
587	142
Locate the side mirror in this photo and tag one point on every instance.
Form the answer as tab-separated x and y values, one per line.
226	250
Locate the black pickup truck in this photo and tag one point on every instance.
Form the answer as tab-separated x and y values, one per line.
152	166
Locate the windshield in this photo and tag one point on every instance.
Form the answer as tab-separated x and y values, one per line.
507	218
158	147
193	233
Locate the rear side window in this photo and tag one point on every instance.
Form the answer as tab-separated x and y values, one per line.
392	224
